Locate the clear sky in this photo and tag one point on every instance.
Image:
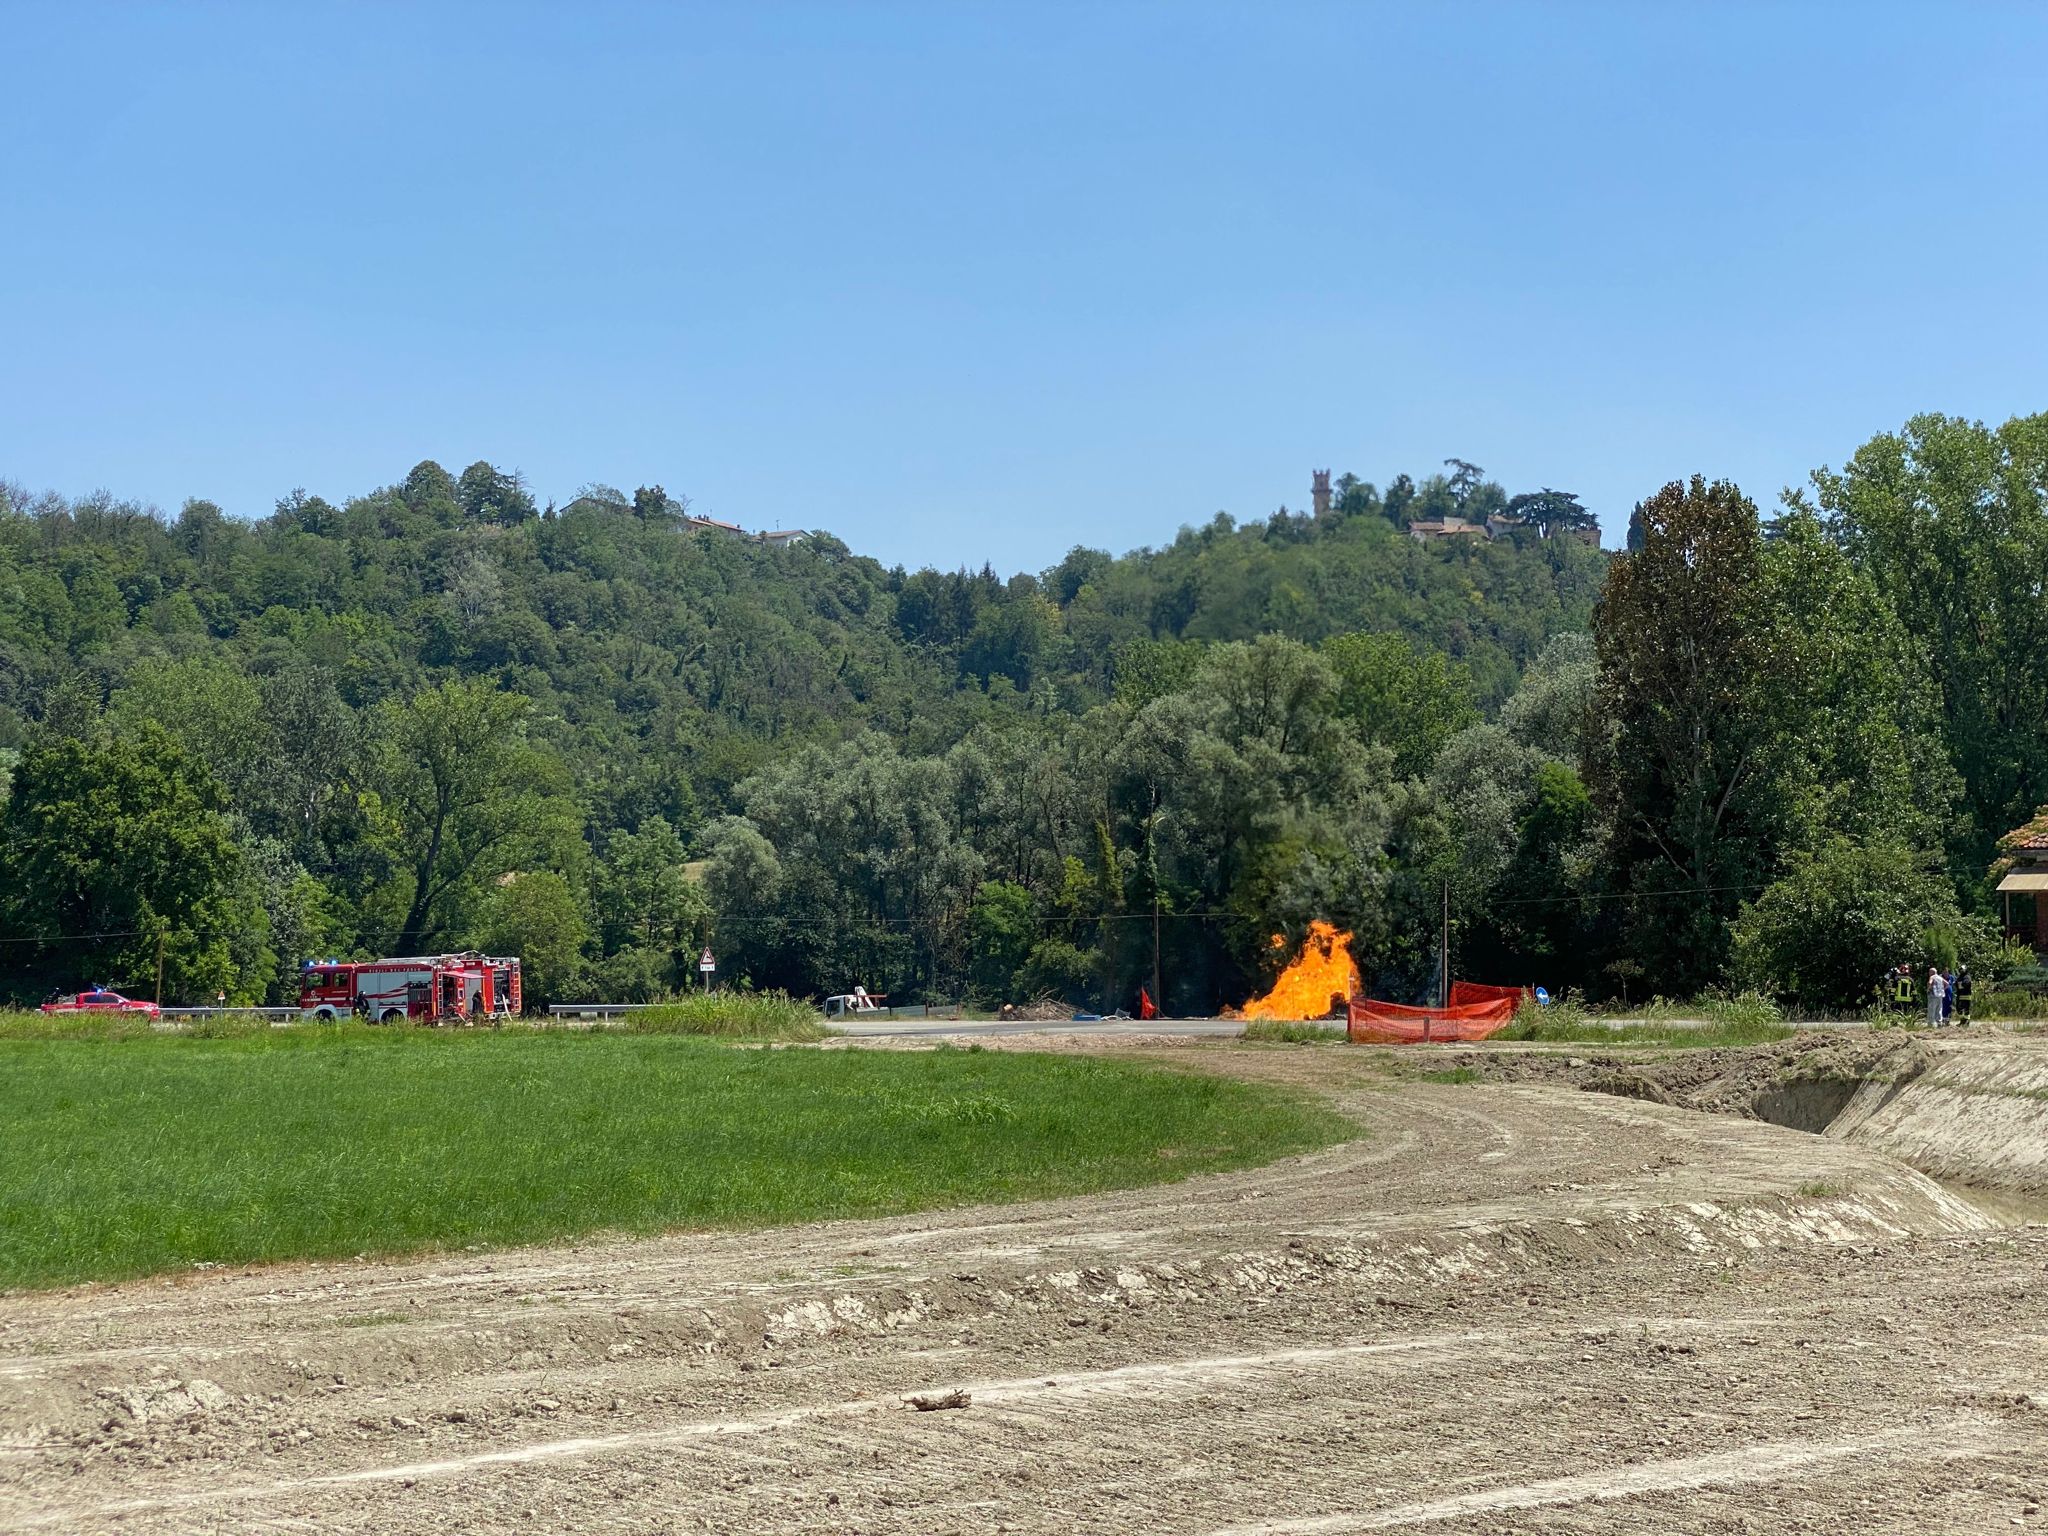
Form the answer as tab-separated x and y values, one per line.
967	282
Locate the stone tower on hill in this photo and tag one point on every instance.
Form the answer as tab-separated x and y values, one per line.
1319	488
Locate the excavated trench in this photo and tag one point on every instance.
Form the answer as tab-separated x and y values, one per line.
1807	1105
1855	1110
1970	1113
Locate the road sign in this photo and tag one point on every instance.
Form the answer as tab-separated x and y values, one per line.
706	964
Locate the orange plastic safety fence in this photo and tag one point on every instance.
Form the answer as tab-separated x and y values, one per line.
1464	992
1376	1023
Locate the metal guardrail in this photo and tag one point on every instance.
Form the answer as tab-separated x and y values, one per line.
273	1014
595	1010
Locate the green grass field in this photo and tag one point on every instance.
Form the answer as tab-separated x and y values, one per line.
1705	1021
131	1155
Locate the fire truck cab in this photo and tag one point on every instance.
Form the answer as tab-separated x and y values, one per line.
428	989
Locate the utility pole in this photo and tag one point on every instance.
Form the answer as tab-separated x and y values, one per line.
159	965
1152	863
1445	975
1156	992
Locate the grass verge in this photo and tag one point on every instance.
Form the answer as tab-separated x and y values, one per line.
1293	1032
28	1024
132	1155
732	1016
1705	1021
1591	1031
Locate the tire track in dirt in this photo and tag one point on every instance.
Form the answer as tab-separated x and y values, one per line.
1115	1381
1772	1462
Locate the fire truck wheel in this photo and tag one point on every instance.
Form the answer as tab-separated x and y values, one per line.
324	1015
391	1016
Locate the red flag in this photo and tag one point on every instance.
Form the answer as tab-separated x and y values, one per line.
1145	1008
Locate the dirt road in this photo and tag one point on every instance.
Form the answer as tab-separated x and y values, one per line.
1504	1307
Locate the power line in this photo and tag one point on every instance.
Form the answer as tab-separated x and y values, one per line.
882	920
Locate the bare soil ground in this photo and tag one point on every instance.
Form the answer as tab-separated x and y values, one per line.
1506	1306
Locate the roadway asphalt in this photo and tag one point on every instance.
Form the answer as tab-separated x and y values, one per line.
1110	1028
1192	1029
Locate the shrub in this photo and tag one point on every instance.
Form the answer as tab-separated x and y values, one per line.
2012	960
1290	1032
2009	1005
1562	1018
1826	929
732	1015
1743	1010
2029	974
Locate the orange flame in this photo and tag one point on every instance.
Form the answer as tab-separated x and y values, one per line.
1322	971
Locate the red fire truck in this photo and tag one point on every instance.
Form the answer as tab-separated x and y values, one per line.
425	989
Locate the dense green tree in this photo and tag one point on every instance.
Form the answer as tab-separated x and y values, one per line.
646	899
215	712
1002	930
1540	918
1552	709
117	849
1410	702
303	920
1859	752
1949	520
536	915
461	797
1551	512
872	880
1690	655
1483	779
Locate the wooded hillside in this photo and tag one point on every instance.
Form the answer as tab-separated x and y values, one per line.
438	715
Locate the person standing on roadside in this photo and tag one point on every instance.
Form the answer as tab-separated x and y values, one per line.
1948	995
1902	987
1937	993
1963	988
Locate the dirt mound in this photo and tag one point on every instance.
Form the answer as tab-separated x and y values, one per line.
1802	1082
1766	1082
1627	1083
1045	1011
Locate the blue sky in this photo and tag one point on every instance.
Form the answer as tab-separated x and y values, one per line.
979	282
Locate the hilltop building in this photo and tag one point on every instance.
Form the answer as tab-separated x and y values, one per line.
1496	526
779	538
690	522
1426	529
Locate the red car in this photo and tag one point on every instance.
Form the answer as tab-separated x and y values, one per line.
100	1001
